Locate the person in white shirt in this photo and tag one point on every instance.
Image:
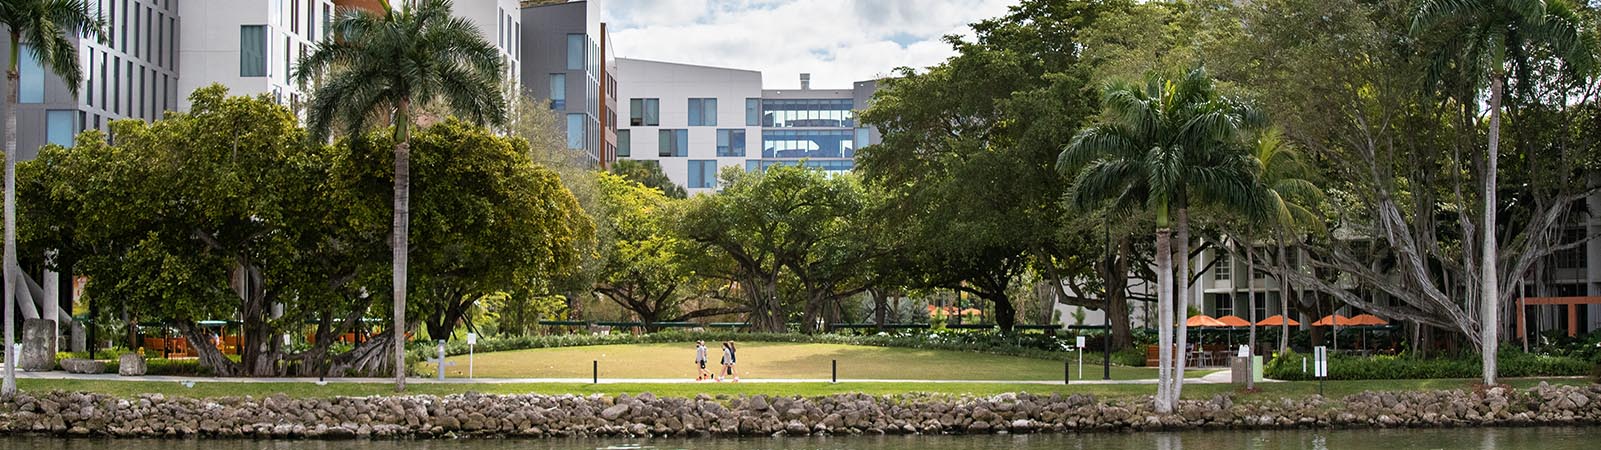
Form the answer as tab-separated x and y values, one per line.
700	360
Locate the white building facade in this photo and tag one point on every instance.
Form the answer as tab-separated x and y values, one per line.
250	46
693	120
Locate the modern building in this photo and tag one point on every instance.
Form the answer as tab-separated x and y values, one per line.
568	61
250	46
692	120
695	121
131	73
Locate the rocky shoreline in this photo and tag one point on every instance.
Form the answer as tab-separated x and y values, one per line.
475	415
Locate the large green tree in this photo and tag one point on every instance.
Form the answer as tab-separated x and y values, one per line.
47	30
488	220
1162	146
204	215
1487	40
643	266
386	65
969	146
759	225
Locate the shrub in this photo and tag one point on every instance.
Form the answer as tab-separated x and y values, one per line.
1510	364
1132	357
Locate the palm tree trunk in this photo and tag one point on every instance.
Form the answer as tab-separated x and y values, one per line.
1181	295
9	388
401	238
1489	298
1164	317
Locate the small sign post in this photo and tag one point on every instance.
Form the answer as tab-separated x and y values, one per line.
1081	344
472	340
1320	366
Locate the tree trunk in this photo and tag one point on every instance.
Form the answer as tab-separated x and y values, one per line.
1164	317
1117	297
9	387
401	238
1005	312
208	354
880	308
766	313
1489	298
1284	298
1181	295
1250	294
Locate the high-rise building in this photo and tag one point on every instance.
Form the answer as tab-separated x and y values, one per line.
250	46
696	120
567	61
131	73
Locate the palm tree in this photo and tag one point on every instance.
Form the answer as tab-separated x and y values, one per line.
1488	39
1291	199
1159	147
47	26
384	66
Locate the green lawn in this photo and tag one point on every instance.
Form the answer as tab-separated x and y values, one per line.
1333	389
777	360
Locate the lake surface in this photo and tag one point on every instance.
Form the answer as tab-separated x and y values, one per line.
1558	438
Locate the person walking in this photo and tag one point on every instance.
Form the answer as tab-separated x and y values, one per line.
729	360
700	361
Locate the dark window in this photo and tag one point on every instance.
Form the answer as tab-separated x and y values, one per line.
703	112
253	51
624	144
731	142
672	143
644	112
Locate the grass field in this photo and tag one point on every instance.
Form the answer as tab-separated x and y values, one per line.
1269	391
777	360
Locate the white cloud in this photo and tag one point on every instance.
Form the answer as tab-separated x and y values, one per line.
837	41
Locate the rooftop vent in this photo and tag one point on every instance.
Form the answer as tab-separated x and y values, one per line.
806	81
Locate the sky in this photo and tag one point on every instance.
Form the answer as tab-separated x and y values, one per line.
837	41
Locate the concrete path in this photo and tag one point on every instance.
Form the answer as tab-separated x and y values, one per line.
1210	378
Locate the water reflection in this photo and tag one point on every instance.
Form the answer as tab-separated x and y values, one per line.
1567	438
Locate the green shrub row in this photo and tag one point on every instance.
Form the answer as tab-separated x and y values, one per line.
153	366
1030	345
1509	364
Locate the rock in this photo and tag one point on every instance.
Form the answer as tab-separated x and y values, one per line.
38	345
79	365
131	365
613	412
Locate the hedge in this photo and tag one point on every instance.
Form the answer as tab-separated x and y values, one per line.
153	366
1510	364
1027	345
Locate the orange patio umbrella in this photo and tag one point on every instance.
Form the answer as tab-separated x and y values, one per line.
1277	321
1233	321
1203	321
972	312
1367	320
1334	320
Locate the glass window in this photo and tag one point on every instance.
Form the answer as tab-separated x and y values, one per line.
558	91
753	112
575	131
252	51
644	112
862	137
1224	268
624	144
672	143
575	52
32	76
731	142
702	174
831	113
808	144
703	112
59	126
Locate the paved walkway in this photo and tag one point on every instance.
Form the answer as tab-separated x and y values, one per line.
1217	377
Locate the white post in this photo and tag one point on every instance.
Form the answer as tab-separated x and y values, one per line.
472	340
1080	343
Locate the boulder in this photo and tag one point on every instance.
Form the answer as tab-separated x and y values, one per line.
38	345
131	365
79	365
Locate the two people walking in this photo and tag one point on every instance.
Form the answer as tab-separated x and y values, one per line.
727	361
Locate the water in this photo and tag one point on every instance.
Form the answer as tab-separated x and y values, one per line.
1552	438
